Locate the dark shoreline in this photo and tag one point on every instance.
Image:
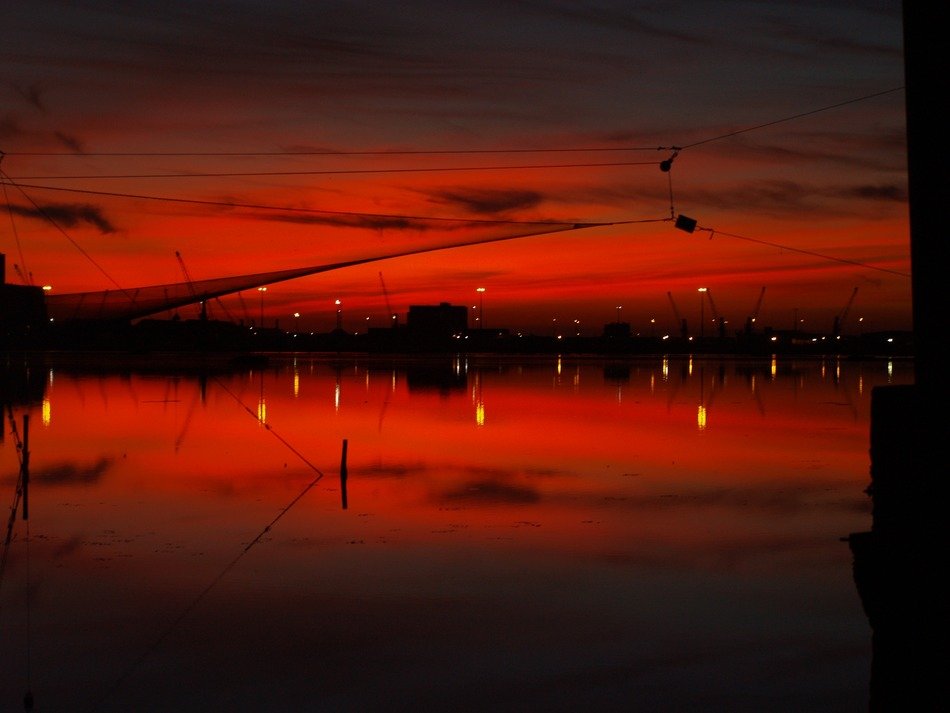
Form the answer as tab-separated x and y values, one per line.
213	341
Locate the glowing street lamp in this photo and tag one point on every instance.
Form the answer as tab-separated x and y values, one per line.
702	309
339	315
296	321
481	307
262	290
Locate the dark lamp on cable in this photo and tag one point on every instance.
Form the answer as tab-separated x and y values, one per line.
666	165
686	224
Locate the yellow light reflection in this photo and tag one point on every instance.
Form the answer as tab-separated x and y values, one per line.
773	370
262	412
477	400
666	369
296	384
701	417
47	413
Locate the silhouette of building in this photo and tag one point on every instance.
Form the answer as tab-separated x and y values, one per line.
441	320
22	310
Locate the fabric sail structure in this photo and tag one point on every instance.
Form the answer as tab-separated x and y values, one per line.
136	302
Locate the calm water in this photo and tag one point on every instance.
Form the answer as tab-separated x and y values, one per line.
546	535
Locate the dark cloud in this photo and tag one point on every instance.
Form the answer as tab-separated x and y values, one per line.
487	201
33	95
72	473
845	37
887	193
394	470
355	220
67	214
9	127
784	198
784	501
769	195
490	491
310	148
316	49
626	19
885	152
66	548
70	142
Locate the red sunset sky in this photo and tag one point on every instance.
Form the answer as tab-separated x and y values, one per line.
424	124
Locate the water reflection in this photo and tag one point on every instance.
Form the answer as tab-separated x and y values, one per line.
542	534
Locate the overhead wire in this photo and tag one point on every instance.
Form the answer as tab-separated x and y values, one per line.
39	209
801	115
16	234
335	172
319	211
327	152
802	251
664	165
258	206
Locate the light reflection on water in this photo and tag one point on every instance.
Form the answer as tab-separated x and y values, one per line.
520	534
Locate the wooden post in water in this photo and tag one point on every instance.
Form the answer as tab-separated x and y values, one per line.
343	474
25	466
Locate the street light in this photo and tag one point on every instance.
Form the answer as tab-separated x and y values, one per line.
339	316
481	307
296	320
702	309
262	290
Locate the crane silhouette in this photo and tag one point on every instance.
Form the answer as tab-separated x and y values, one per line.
840	317
684	332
